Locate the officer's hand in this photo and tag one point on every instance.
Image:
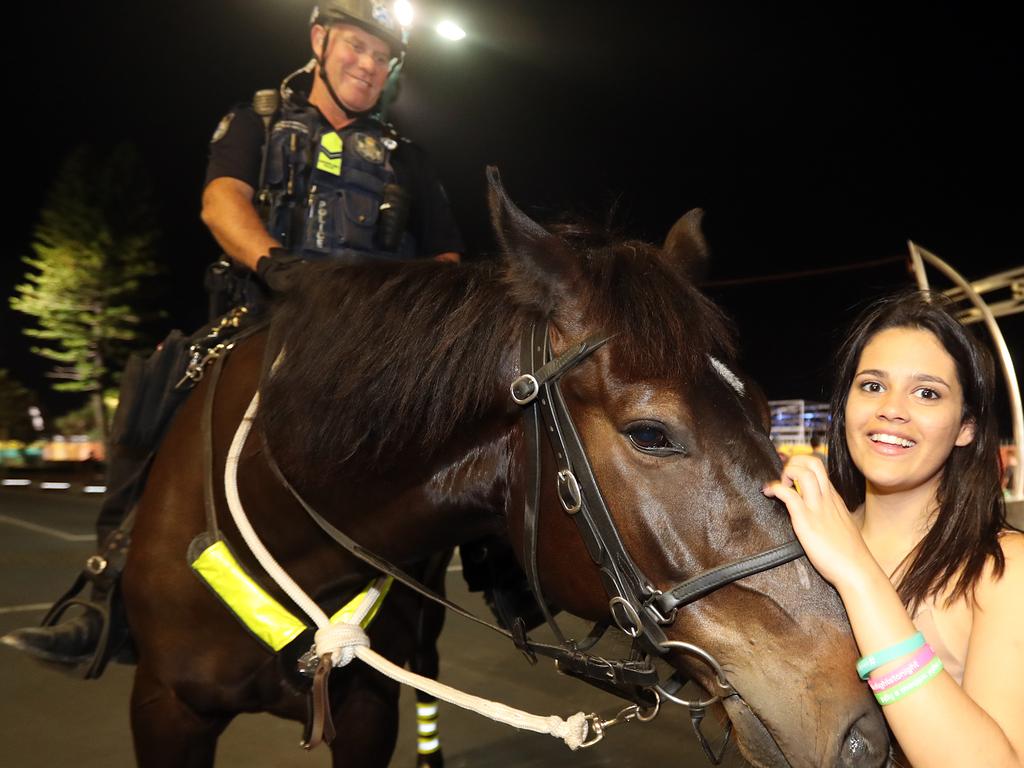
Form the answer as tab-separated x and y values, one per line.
279	270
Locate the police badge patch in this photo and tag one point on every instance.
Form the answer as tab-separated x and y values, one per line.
368	148
222	127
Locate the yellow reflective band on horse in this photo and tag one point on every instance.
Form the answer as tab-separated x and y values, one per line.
328	158
428	747
262	614
426	711
376	591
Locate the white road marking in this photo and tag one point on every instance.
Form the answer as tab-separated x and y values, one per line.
48	531
25	608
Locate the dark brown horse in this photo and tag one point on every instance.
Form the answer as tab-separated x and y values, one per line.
390	411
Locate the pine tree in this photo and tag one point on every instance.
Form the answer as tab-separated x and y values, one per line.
94	250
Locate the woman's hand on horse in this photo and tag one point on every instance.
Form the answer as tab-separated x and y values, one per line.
821	521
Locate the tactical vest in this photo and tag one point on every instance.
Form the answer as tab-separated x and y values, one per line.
333	194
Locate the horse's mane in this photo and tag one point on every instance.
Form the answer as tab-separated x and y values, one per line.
384	361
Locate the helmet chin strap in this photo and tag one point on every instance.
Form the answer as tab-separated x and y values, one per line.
353	113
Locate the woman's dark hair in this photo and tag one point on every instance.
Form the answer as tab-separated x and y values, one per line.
971	511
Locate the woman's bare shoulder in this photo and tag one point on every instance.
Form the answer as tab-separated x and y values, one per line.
1009	585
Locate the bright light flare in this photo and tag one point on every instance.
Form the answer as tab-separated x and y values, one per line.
12	482
405	13
449	30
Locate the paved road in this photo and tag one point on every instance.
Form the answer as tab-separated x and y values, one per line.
52	720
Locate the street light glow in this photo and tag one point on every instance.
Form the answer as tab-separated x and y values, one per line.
449	30
404	11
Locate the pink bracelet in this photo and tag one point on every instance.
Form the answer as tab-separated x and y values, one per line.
916	663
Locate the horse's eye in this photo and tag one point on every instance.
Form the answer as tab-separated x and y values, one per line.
651	438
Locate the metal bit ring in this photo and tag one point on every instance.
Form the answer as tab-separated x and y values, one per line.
724	687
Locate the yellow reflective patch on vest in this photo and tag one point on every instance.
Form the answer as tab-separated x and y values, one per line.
328	158
262	614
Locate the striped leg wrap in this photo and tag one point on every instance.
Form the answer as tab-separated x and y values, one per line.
427	741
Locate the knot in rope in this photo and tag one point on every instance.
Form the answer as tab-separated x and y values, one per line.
572	730
340	640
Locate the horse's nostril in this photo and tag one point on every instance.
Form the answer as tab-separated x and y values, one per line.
866	744
854	746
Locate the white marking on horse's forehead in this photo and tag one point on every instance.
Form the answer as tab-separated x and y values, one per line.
731	378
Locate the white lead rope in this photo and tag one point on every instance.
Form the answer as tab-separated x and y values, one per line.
345	641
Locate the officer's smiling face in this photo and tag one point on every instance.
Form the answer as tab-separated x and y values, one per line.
356	64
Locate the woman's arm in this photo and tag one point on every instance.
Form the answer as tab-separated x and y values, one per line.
940	724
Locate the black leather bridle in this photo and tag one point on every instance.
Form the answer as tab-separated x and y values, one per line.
638	608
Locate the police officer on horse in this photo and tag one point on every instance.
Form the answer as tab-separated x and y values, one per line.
294	177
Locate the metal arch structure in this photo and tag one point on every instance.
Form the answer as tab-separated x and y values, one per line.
983	312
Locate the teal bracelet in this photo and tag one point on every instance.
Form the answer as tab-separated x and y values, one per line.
868	664
911	684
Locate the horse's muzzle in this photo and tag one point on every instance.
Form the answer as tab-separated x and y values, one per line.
864	745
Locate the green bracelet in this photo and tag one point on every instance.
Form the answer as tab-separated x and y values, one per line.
911	684
868	664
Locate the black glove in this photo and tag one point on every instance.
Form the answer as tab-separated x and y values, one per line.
279	269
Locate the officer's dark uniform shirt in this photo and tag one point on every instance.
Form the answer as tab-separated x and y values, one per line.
236	152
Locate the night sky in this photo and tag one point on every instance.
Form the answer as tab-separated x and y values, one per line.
815	135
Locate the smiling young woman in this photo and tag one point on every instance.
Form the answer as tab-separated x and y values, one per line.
909	525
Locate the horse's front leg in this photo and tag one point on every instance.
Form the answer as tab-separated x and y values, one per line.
364	704
167	733
425	661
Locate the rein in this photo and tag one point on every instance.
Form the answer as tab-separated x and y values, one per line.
337	642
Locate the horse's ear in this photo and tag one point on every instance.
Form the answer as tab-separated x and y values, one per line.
540	266
685	246
513	227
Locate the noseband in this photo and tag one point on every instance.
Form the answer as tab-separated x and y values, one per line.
636	607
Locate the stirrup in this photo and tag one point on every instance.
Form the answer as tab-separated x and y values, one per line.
103	572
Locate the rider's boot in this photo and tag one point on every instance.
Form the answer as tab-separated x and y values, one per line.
69	643
96	631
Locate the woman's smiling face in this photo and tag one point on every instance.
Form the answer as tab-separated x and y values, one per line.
904	413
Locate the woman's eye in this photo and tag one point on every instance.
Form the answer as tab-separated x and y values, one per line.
646	437
927	394
871	386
